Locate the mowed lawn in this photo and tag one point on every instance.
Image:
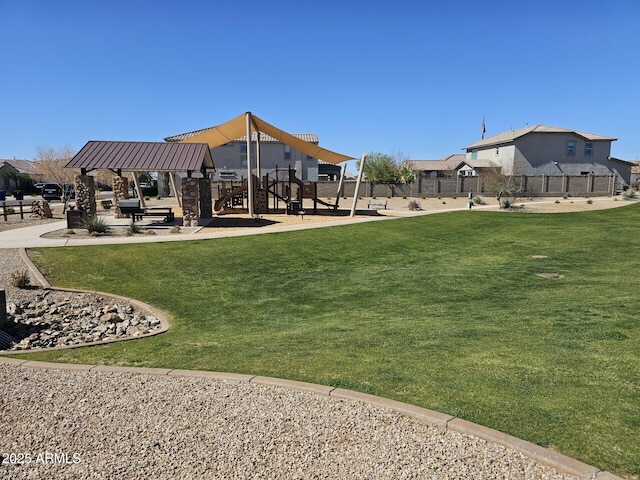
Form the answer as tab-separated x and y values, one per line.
443	311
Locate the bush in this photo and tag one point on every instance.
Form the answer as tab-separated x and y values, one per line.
506	204
174	229
96	225
630	194
478	200
134	228
20	279
413	205
589	202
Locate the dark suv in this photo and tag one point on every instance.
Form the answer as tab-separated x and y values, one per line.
51	191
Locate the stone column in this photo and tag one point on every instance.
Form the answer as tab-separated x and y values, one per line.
120	192
206	202
190	201
85	195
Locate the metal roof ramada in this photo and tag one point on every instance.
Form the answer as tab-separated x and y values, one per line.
142	156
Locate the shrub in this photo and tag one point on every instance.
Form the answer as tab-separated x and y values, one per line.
478	200
589	202
96	225
174	229
158	197
134	228
423	196
20	279
454	196
630	194
404	197
9	210
506	204
557	201
413	205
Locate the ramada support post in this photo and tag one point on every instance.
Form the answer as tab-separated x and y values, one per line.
363	159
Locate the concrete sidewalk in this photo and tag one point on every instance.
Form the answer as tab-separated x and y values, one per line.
30	237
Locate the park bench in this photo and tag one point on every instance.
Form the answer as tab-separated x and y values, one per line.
377	203
132	207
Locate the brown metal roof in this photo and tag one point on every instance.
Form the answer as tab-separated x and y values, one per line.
143	156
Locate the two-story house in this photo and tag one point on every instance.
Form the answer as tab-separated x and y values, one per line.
543	150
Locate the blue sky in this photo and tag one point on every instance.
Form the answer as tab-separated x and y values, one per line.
410	77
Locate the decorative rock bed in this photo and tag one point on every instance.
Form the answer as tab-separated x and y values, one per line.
58	318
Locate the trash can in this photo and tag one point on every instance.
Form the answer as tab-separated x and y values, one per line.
75	219
3	194
18	195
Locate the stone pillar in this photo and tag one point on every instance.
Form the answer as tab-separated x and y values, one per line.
190	201
206	202
85	195
120	192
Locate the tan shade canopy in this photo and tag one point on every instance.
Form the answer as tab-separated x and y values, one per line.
237	127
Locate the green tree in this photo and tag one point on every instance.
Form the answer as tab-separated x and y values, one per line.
381	169
407	175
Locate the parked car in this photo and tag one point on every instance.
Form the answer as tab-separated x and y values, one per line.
51	191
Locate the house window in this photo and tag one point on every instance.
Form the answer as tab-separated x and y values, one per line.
588	149
474	154
287	152
571	149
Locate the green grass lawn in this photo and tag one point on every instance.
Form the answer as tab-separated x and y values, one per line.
443	311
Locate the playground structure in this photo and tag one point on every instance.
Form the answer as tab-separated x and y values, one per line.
277	192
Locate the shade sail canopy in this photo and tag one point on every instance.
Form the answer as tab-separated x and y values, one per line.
143	156
237	128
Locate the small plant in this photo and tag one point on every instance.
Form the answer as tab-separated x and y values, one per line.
630	194
413	205
423	196
147	198
134	228
557	201
589	202
20	279
439	197
506	204
454	196
404	197
174	229
96	225
373	197
9	210
158	197
478	200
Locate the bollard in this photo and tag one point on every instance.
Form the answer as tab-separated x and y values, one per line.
3	308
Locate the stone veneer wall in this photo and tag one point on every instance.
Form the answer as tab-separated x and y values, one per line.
85	195
120	192
206	202
190	201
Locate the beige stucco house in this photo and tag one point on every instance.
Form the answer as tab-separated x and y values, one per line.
543	150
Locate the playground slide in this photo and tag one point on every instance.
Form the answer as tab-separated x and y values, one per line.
220	203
